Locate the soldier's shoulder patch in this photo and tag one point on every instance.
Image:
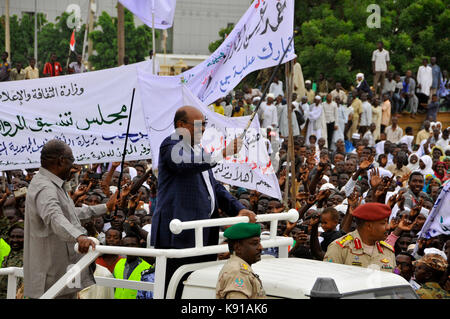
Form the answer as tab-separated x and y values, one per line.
344	240
239	282
385	244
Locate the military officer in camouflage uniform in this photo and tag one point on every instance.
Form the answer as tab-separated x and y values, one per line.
365	247
428	272
237	279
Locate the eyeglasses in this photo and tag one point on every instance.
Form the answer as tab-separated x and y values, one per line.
204	123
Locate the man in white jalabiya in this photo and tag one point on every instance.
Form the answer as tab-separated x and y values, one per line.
269	112
283	121
341	120
304	105
315	118
425	78
276	87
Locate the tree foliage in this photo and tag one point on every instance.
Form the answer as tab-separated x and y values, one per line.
336	40
138	41
21	36
223	33
55	37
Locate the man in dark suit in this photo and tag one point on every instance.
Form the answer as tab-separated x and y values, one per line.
187	189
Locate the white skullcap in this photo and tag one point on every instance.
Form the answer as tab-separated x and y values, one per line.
434	251
308	82
356	136
326	186
424	212
360	75
256	98
318	97
325	177
270	95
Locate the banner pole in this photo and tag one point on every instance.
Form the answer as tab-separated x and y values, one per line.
124	149
153	40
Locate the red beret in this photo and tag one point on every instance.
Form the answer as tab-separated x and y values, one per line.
372	211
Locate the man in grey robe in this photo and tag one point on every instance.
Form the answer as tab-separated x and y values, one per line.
52	225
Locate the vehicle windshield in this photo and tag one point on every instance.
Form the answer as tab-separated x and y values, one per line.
403	292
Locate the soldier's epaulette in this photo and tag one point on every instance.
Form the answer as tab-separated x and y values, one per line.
244	267
345	239
385	244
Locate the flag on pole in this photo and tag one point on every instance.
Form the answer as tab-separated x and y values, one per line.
72	41
163	11
257	41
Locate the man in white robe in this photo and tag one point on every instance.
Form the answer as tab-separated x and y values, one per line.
315	117
425	78
341	120
299	83
284	124
270	117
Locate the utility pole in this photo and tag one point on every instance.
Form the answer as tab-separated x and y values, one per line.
120	33
89	29
35	33
7	35
291	158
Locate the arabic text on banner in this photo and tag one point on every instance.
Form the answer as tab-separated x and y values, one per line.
88	111
257	41
438	221
163	96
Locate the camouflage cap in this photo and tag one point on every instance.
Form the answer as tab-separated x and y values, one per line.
434	261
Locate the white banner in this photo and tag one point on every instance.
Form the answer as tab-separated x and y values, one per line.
438	222
163	96
252	168
88	111
164	11
257	41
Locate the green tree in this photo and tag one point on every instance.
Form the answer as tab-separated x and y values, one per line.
21	37
223	33
55	37
138	41
336	40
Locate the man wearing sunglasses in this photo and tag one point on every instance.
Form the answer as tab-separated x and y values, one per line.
187	189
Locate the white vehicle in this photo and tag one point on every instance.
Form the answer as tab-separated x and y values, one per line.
297	278
281	277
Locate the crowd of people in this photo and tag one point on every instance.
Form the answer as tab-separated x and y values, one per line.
51	68
349	150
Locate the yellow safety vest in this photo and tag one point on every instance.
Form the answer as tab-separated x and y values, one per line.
4	250
123	293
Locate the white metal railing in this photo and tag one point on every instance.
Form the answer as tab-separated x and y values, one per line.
13	273
176	226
